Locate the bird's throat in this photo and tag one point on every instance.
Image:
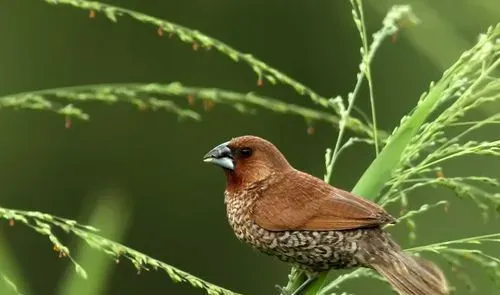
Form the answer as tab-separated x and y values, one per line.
233	180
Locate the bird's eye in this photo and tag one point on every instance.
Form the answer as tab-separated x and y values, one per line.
246	152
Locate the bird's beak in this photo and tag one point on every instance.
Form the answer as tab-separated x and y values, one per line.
220	155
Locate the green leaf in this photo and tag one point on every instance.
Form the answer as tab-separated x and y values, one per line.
380	171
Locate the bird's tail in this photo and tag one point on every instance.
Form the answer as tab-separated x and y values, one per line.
411	275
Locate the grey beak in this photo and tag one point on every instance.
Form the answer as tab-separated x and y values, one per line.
220	155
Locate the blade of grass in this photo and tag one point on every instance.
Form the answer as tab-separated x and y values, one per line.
11	279
110	216
379	172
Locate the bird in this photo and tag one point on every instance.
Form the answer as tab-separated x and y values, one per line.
304	221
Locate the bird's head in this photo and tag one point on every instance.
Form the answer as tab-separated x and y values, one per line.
246	160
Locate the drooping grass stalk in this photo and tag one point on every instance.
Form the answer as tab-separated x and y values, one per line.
44	223
155	96
201	40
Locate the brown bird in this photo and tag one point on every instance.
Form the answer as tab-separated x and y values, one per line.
302	220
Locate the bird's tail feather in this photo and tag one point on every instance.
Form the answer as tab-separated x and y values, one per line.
410	275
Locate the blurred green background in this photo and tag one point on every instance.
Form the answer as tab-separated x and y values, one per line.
139	176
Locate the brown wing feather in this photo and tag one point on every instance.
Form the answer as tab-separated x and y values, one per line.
299	201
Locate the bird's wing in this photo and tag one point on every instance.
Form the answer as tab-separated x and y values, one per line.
299	201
